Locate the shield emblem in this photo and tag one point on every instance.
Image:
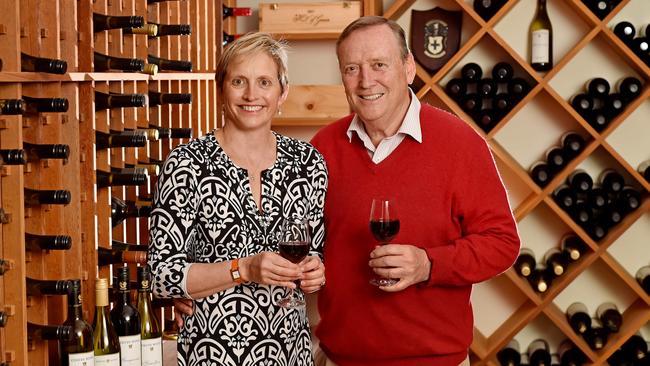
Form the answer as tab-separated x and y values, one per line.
435	36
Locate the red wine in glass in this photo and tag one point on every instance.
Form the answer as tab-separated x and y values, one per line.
294	245
384	226
295	251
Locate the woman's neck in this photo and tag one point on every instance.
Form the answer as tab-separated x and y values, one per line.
249	149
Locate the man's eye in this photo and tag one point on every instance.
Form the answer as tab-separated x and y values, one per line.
350	69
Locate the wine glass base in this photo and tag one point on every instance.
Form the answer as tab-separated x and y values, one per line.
291	302
379	282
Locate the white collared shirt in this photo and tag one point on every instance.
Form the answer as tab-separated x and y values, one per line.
410	126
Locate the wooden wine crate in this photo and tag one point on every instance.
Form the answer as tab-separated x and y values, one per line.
311	20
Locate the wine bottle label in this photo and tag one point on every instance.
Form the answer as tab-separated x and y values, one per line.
152	352
130	350
82	359
108	360
541	41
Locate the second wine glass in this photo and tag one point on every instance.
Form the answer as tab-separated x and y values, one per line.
384	226
294	245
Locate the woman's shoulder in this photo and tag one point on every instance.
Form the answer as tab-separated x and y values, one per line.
302	150
197	146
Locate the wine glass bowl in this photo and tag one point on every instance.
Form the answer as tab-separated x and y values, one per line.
294	245
384	226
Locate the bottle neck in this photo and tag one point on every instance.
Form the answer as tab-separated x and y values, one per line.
124	297
75	312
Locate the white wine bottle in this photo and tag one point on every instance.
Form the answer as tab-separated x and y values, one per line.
105	341
541	39
150	327
78	350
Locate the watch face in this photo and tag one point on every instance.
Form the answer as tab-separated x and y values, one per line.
235	275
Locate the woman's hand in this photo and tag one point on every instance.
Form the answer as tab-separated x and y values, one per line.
313	275
269	268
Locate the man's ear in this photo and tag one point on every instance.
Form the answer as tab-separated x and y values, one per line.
409	64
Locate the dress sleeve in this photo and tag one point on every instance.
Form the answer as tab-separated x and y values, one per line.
171	224
318	181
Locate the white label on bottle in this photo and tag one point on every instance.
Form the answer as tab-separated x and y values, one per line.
108	360
152	352
130	350
540	40
82	359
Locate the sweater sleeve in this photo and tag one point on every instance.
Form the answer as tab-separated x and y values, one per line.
489	242
171	224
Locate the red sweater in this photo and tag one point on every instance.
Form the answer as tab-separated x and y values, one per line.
451	202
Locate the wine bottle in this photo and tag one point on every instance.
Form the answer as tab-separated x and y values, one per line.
629	88
573	247
641	46
173	29
620	358
597	199
565	197
47	242
105	63
12	107
578	317
150	134
46	151
105	179
518	88
102	22
156	98
151	168
3	319
600	8
596	336
13	157
539	279
581	214
598	119
120	245
509	355
502	72
148	29
597	87
569	354
235	12
540	173
625	31
643	277
487	118
29	63
525	263
121	210
456	88
151	334
541	39
105	340
583	104
572	144
48	332
472	103
596	230
644	170
611	181
5	265
555	262
628	200
615	103
580	181
486	87
228	38
471	72
126	321
612	216
609	316
180	133
106	256
43	105
106	101
78	351
502	104
170	65
35	287
635	346
105	140
34	197
538	353
555	159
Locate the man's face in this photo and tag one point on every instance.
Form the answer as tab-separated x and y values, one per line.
375	75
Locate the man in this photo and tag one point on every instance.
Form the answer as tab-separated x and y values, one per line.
456	229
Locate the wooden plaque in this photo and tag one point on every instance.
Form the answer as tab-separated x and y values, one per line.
308	20
435	36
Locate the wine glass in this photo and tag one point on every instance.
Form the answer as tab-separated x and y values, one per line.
384	226
294	245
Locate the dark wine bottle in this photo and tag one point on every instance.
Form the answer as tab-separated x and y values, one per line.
105	63
600	8
456	89
581	213
578	317
615	103
538	353
502	72
156	98
4	317
540	279
472	103
597	199
628	200
572	144
635	346
502	104
597	87
126	321
625	31
620	358
227	11
106	101
518	88
609	316
569	354
630	88
556	263
149	29
12	107
611	181
643	277
44	105
35	197
596	229
46	151
105	341
540	173
596	336
151	334
486	87
644	170
173	29
13	157
105	140
580	181
48	332
487	118
105	179
47	242
565	197
170	65
509	355
641	46
598	119
583	104
35	287
573	247
555	159
121	210
525	263
541	39
471	72
79	349
29	63
228	38
102	22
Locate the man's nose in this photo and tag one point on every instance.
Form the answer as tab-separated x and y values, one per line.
366	77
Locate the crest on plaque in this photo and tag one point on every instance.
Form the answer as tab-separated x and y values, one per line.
435	36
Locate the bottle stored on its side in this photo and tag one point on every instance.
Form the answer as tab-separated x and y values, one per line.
596	336
471	72
597	87
583	104
46	151
600	8
121	210
641	46
102	22
5	265
34	197
636	347
44	105
502	72
540	279
644	170
29	63
150	326
126	321
112	100
105	140
615	103
77	351
173	29
629	88
582	214
525	263
555	159
106	179
538	353
47	242
628	200
565	197
569	354
120	245
227	11
35	287
105	63
578	317
597	230
620	358
487	87
151	168
598	119
540	173
556	263
148	29
541	39
227	38
609	316
573	247
611	181
572	144
580	181
643	277
156	98
150	134
487	118
456	88
625	31
12	157
170	65
612	216
472	103
105	340
518	88
48	332
149	2
597	199
12	107
502	104
509	355
106	256
174	133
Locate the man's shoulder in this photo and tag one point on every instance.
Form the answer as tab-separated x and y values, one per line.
445	125
332	133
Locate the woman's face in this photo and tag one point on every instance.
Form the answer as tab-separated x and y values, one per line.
251	91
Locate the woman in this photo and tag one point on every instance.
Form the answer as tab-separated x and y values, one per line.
218	209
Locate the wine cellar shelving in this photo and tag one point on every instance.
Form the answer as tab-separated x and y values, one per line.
585	47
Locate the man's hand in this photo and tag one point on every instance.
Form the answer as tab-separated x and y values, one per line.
182	307
313	277
407	263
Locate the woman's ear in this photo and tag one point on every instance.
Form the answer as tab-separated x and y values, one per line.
284	95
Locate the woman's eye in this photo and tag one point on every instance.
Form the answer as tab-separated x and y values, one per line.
266	83
237	82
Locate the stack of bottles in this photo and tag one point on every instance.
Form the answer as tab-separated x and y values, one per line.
487	99
598	106
539	354
595	330
557	157
639	44
487	8
633	352
597	208
553	265
601	8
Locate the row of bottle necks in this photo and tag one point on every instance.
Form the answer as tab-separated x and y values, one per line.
127	334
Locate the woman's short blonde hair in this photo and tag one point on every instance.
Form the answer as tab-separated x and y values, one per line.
252	43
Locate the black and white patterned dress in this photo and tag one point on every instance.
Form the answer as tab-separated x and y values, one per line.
204	212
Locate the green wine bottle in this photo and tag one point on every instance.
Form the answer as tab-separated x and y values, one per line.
105	341
541	39
151	334
78	350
